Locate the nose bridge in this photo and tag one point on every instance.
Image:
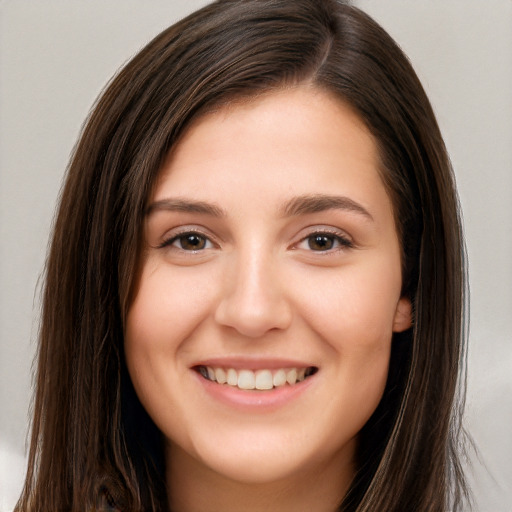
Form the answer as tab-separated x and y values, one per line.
253	299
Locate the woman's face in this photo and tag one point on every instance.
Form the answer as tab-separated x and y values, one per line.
272	261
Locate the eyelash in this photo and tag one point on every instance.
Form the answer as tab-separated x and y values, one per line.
339	242
342	241
181	236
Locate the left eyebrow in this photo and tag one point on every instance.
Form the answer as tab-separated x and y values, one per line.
303	205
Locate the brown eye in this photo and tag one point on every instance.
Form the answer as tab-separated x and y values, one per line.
190	242
321	242
325	242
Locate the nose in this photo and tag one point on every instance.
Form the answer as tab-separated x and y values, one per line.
253	300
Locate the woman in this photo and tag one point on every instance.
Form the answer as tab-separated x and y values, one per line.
254	293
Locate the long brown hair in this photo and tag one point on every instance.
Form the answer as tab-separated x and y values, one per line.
90	434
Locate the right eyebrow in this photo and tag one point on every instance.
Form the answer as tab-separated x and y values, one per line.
185	205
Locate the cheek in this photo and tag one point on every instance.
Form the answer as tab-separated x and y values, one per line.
166	310
167	307
353	307
352	311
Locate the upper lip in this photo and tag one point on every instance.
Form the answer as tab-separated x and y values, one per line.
247	363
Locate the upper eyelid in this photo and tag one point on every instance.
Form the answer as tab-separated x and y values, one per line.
319	229
190	228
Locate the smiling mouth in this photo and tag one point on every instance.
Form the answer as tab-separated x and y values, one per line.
261	380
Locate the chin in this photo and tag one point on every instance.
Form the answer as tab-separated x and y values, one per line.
256	468
254	458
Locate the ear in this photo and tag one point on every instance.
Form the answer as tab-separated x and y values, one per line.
403	315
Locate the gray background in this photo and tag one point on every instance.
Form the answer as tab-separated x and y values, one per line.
55	57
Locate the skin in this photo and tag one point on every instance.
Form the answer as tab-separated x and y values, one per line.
260	288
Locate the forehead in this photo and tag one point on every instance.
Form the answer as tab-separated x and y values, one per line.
290	142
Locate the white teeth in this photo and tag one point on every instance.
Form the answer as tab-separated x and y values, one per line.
279	378
232	377
260	379
220	376
291	376
246	379
264	379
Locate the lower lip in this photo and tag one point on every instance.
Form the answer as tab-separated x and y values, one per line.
255	400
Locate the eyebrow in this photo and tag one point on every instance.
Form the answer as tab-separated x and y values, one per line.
187	206
301	205
306	204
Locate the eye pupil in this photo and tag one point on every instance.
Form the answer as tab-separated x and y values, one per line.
192	242
320	242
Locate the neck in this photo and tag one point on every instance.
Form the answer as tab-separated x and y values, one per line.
193	487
